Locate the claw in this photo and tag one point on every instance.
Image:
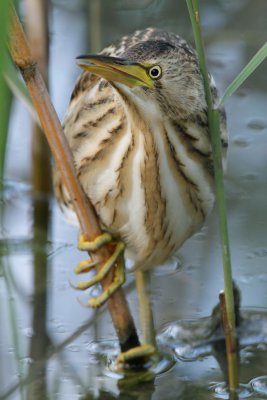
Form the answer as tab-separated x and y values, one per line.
114	261
72	285
118	281
86	305
106	267
85	266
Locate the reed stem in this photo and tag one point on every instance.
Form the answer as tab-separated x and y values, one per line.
230	345
214	127
37	33
95	25
89	224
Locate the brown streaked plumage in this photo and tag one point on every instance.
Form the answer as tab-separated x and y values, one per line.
141	148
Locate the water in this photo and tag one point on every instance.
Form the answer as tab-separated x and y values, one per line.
40	316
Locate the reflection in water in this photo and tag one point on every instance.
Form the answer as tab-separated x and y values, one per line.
37	389
178	381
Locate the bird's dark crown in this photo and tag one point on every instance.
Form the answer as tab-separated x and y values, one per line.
149	49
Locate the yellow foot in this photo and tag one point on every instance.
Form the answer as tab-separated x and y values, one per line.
115	260
143	351
95	244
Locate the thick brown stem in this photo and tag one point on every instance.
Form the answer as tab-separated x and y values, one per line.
89	224
38	37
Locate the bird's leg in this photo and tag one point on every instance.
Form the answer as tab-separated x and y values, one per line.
115	261
146	315
148	349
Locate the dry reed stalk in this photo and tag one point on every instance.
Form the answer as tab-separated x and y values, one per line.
230	344
37	34
89	224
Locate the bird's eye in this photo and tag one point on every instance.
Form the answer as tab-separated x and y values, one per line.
155	72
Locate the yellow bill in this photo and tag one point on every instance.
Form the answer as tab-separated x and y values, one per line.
116	69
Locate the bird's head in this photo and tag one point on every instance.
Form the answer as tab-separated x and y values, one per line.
154	70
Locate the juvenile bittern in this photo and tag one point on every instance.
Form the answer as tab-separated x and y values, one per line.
137	127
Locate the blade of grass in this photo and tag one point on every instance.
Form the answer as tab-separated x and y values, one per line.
258	58
5	97
214	127
6	102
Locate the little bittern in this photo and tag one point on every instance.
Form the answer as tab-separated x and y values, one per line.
138	131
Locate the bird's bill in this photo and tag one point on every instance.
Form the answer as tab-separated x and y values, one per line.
116	69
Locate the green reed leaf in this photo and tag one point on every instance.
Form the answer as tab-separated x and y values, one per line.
5	98
245	73
214	128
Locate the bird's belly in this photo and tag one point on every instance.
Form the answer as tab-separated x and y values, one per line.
154	215
145	187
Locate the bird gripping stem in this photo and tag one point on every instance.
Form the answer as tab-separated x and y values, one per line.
22	57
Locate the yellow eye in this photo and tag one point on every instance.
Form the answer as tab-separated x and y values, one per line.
155	72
